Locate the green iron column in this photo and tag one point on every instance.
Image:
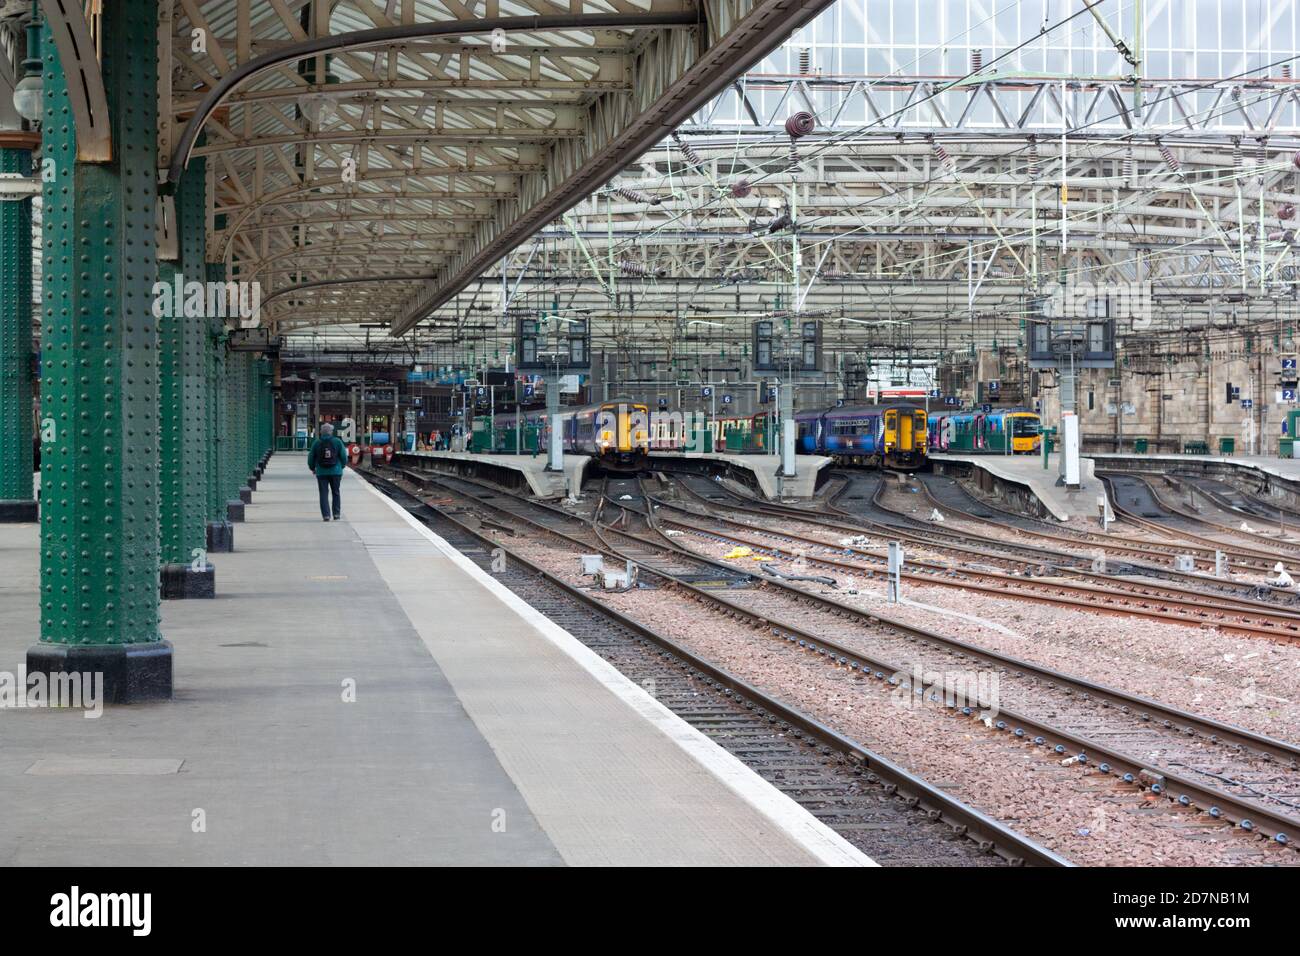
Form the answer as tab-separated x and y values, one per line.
250	423
221	532
231	506
183	406
17	496
237	366
99	456
262	417
254	419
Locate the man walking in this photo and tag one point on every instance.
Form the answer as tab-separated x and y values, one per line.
326	462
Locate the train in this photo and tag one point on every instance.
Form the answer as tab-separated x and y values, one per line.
621	434
890	436
615	433
1001	432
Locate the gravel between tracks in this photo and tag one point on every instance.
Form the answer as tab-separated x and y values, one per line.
1237	680
1076	811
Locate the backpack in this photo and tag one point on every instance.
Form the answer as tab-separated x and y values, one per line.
328	457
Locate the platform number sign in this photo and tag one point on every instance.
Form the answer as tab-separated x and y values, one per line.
839	403
726	399
993	385
706	391
935	393
951	400
1288	394
1288	364
986	408
663	404
1247	403
480	391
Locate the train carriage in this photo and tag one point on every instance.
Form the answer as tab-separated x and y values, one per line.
1001	432
894	436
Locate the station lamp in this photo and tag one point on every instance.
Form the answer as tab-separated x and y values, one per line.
30	90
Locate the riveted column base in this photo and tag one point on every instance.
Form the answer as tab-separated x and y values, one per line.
221	537
246	495
18	512
131	672
181	581
234	510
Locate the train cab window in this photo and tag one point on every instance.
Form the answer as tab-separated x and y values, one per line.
1025	427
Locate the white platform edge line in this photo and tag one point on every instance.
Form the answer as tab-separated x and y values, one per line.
823	843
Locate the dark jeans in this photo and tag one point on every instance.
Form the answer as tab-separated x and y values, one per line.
328	484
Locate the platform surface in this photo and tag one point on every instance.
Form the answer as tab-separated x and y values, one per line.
765	468
476	736
1280	467
542	483
1028	470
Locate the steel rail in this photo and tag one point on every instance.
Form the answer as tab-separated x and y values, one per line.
1126	603
990	834
1109	585
1130	769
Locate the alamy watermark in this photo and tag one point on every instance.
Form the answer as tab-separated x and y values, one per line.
1101	300
976	690
241	301
81	691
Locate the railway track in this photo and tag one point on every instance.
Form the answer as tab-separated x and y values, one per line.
1123	487
1100	592
1135	557
1227	772
1114	596
892	815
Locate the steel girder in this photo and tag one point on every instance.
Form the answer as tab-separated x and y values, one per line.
1089	107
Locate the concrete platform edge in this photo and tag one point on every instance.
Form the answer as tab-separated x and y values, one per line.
789	817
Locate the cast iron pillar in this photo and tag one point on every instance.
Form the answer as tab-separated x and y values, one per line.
183	408
17	494
99	455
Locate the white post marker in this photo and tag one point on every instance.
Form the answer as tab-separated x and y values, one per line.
1069	464
1220	564
786	394
893	586
555	460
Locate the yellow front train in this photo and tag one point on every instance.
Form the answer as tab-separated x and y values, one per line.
904	438
616	433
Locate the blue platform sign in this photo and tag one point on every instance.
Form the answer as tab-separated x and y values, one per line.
1288	365
951	400
771	393
839	403
935	393
726	399
706	391
480	391
1247	403
663	403
1288	394
986	408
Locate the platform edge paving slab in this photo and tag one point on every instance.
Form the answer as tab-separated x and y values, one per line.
1028	470
258	736
612	775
